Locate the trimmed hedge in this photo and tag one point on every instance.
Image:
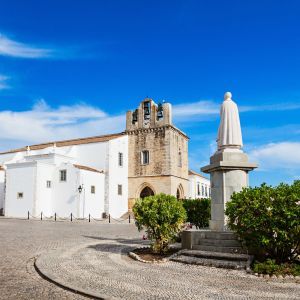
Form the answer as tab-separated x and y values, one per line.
198	211
267	219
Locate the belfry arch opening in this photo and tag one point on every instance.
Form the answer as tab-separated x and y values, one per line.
146	192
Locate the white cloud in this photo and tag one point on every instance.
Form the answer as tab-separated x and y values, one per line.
9	47
206	108
272	107
195	109
3	82
283	155
43	123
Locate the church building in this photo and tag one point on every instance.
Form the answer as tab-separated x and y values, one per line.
101	175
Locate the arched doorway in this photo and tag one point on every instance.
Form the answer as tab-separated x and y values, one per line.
180	192
146	191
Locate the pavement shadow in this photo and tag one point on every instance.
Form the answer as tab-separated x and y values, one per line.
112	248
119	240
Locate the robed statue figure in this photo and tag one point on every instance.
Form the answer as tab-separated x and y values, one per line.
229	133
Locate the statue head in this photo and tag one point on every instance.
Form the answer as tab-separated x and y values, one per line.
227	96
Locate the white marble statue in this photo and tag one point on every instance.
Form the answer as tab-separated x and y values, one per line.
229	133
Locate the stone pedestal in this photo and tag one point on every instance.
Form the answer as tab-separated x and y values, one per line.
228	171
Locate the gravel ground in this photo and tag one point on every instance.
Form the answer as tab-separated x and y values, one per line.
92	257
22	240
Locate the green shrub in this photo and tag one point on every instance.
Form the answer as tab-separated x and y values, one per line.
198	211
267	219
270	267
162	216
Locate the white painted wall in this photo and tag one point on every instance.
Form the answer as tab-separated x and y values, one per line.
194	180
20	178
63	197
65	193
118	204
2	188
44	200
90	203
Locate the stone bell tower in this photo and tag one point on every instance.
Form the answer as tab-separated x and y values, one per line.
157	154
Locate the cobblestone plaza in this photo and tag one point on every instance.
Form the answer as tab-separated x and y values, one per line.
92	257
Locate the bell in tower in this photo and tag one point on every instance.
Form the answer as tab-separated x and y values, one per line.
160	113
147	110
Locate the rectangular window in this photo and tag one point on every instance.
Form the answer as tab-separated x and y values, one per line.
198	189
206	191
48	184
20	195
179	159
63	175
93	189
120	159
145	157
202	188
119	189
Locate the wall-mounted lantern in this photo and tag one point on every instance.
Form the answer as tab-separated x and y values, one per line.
80	188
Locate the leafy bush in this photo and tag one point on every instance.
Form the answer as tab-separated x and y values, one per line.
270	267
267	219
162	216
198	211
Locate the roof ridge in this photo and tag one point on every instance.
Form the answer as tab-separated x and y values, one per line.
75	141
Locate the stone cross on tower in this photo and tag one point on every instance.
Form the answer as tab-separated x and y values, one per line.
229	166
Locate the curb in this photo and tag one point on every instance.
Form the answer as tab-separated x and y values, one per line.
138	258
87	293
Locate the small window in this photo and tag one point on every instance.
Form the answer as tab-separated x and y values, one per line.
179	159
93	189
120	159
202	187
119	189
20	195
198	189
206	191
48	184
145	157
63	175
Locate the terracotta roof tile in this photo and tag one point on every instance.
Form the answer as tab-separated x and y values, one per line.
80	141
87	168
191	172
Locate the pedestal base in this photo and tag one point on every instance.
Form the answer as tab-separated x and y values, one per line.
228	174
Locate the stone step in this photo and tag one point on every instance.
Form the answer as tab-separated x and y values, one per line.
215	235
221	242
224	249
228	264
215	255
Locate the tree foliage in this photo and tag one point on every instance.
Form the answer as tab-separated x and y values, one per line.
267	219
162	216
198	211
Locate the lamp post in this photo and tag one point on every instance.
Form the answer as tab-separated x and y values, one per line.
80	189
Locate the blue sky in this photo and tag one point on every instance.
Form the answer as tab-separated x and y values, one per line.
72	68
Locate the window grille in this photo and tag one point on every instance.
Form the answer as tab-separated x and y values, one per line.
120	159
119	189
93	189
63	175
